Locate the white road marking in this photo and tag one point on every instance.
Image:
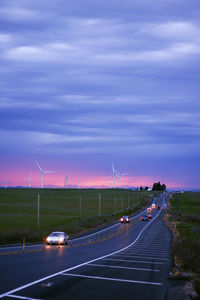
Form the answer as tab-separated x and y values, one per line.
113	279
135	261
126	268
157	251
77	266
22	297
154	253
142	256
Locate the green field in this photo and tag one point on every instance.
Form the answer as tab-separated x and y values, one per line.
186	210
60	210
185	217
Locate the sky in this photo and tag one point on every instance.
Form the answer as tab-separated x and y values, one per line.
84	84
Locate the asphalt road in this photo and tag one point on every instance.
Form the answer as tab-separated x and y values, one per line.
132	265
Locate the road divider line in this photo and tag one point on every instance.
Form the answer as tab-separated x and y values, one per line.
112	279
135	261
22	297
121	267
142	256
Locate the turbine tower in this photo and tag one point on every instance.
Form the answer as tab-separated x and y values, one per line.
6	183
119	178
66	186
115	174
79	184
29	180
42	172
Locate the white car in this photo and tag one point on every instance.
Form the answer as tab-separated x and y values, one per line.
57	237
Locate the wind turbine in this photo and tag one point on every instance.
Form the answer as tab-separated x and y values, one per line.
6	183
29	180
119	178
79	184
42	172
66	186
114	175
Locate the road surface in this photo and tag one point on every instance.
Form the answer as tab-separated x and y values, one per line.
134	264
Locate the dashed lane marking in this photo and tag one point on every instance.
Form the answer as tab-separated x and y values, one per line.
22	297
135	261
112	279
126	268
142	256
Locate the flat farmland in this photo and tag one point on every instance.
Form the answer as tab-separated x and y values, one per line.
186	211
70	210
184	214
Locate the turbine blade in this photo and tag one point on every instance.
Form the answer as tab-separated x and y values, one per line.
110	177
113	169
38	166
117	173
37	179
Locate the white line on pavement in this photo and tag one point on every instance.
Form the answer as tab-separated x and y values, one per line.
126	268
21	297
135	261
142	256
112	279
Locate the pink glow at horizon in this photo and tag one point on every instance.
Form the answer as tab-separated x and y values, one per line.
21	178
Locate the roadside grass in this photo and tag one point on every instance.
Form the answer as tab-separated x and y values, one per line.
60	210
185	216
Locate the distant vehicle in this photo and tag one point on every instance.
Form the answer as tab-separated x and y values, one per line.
153	205
158	207
57	237
149	216
125	219
144	218
148	209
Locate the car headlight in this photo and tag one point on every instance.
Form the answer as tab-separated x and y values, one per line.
121	219
48	239
61	239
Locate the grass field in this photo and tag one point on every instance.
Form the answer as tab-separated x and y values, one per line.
60	210
185	216
186	210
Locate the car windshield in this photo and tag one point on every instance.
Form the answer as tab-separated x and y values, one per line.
56	234
125	217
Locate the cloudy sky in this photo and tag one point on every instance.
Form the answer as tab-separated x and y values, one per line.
85	83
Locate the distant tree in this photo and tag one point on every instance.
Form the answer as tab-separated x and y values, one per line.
163	187
146	188
141	188
158	187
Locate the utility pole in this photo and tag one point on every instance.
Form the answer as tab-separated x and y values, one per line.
99	205
80	210
115	201
38	215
